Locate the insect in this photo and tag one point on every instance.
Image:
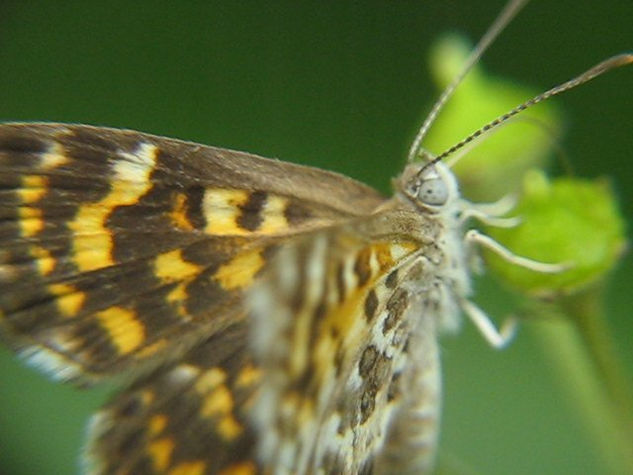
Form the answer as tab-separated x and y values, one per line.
132	251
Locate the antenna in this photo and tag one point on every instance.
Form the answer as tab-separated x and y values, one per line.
597	70
507	14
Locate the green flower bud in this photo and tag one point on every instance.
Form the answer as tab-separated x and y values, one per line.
496	164
568	221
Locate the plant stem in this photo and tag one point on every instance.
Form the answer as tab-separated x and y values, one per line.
580	347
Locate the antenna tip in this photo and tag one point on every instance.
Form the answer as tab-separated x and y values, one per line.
616	61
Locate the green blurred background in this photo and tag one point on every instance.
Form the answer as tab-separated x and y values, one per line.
339	85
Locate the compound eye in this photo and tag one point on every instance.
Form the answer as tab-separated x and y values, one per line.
433	191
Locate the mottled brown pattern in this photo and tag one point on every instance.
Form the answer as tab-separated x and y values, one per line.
251	211
297	213
392	279
374	368
340	282
371	304
16	144
394	387
367	360
396	306
367	402
362	268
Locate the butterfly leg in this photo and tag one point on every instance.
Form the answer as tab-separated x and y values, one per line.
496	208
475	237
491	220
498	338
492	213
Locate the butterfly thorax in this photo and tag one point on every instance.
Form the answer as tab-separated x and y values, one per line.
434	281
432	191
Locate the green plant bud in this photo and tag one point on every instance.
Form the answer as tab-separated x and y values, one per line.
568	221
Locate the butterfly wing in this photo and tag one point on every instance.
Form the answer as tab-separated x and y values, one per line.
120	249
123	251
187	419
343	329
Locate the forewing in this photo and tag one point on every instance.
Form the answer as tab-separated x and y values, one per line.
332	337
119	249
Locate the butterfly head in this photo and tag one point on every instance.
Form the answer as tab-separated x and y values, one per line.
430	185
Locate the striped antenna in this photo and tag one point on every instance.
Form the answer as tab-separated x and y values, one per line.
507	14
597	70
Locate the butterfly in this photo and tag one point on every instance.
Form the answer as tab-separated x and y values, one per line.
268	316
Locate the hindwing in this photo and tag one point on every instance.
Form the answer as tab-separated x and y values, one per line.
333	319
188	419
